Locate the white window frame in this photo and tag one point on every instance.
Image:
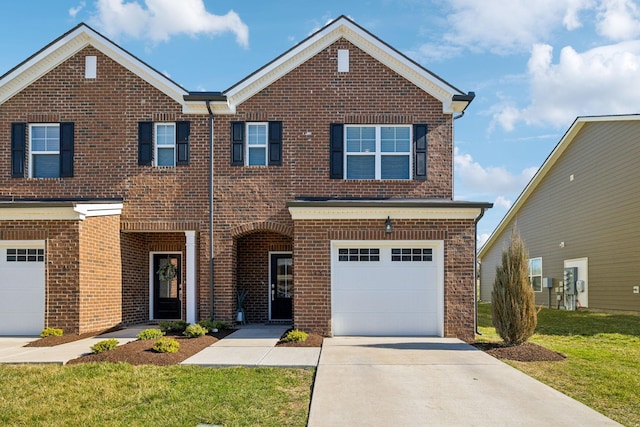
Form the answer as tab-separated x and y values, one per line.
264	144
378	152
33	153
531	276
157	146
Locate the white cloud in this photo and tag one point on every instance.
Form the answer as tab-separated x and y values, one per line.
618	20
75	10
158	20
472	176
482	239
502	202
603	80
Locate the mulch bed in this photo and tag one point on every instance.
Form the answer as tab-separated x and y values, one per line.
313	340
53	341
527	352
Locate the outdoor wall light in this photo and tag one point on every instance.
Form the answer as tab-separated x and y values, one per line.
388	227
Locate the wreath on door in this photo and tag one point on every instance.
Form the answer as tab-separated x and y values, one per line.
167	272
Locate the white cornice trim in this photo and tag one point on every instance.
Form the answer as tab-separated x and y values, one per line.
332	213
343	28
76	212
67	46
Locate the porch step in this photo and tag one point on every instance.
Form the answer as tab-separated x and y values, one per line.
279	322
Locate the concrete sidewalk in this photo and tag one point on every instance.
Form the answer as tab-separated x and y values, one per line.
432	381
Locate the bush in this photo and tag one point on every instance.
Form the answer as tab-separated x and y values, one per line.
105	345
51	332
166	345
150	334
194	331
213	324
295	336
173	326
513	302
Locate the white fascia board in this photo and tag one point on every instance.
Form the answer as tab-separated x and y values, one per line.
67	46
65	213
334	213
360	38
200	107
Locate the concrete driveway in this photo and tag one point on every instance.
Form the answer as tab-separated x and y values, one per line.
363	381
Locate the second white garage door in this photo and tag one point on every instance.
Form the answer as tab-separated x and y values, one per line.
22	290
391	288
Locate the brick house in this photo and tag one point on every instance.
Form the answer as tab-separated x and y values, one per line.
321	184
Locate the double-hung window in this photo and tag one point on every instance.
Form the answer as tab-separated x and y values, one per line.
257	144
535	274
165	144
44	150
377	152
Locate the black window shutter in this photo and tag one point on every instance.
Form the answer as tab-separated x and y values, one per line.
145	143
237	143
336	162
275	143
183	129
420	151
66	149
18	149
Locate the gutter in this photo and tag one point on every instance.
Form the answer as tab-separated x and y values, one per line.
475	269
211	246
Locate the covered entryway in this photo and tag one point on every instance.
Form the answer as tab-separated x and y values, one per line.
22	287
387	288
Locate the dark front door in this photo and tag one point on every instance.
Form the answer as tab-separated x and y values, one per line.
281	286
167	281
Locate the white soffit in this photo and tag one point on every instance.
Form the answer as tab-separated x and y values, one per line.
344	28
70	44
78	211
332	213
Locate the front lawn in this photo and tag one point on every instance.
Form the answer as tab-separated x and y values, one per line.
109	394
603	351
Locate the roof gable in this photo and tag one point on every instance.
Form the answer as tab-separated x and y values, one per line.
452	99
569	137
68	45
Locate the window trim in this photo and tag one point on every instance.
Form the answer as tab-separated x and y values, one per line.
531	276
164	146
33	152
378	154
264	145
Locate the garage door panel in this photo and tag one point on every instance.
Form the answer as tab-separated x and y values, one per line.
383	302
396	324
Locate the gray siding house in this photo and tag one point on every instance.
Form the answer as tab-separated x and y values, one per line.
581	210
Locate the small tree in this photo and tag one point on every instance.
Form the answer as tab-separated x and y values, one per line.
513	302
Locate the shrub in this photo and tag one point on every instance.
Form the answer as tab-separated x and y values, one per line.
173	326
150	334
194	331
105	345
166	345
513	308
295	336
214	324
51	332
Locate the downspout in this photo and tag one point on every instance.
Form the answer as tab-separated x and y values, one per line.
475	269
211	246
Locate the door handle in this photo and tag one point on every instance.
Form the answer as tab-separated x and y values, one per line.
273	291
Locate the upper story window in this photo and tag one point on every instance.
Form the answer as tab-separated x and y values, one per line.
165	144
378	152
256	143
535	274
42	150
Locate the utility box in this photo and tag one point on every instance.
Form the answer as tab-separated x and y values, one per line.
570	277
547	282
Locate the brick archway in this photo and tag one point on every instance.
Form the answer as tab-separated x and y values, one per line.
252	227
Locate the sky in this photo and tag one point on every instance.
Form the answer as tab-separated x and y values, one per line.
534	65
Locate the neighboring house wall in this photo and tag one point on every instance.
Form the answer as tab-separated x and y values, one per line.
596	214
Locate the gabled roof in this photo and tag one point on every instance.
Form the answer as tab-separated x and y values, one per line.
67	45
548	164
453	100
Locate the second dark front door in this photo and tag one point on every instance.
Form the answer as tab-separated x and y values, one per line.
167	281
281	286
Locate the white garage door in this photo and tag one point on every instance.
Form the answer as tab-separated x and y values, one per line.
387	288
21	287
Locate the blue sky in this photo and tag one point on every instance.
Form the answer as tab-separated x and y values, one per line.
534	65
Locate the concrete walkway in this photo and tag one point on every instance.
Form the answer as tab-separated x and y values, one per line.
432	381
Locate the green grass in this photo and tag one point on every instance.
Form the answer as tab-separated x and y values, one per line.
120	394
602	368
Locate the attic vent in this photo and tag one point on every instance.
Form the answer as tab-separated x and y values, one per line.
343	61
90	67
